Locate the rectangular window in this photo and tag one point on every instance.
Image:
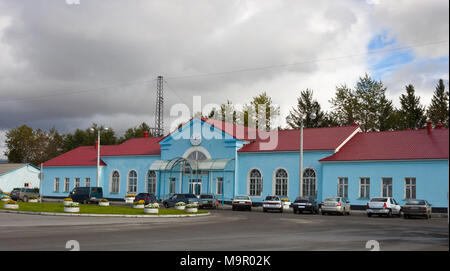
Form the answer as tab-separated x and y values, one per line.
386	187
172	185
87	182
219	186
364	188
66	184
77	182
195	186
57	185
410	188
343	187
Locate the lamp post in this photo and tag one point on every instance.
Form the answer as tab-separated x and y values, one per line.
98	153
290	118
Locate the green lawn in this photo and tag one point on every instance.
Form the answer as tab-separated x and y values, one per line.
92	209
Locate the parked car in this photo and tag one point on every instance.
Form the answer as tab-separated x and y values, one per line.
383	206
186	198
417	207
86	194
336	205
308	204
242	202
272	203
208	201
23	194
146	197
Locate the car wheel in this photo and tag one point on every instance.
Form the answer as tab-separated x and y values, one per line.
323	213
426	217
369	215
295	211
405	216
264	210
389	213
166	205
249	209
281	210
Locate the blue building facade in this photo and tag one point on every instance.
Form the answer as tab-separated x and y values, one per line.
210	157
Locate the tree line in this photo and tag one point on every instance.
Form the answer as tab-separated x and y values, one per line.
365	104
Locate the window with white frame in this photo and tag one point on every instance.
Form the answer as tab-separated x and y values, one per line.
343	187
309	183
195	186
386	187
197	155
77	182
151	186
255	185
132	182
410	188
87	182
66	184
219	186
364	188
281	182
56	187
115	182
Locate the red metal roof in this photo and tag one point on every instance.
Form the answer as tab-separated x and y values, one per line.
395	145
87	155
327	138
81	156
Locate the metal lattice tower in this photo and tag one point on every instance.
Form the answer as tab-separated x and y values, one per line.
159	111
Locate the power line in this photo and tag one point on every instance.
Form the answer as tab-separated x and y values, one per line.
108	88
230	72
308	61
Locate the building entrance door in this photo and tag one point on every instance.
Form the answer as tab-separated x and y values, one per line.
195	186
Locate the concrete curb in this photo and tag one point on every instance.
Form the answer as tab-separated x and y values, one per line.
102	215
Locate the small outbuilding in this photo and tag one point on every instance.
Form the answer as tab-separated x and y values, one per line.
18	176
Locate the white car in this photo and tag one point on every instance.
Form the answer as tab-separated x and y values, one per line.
383	206
272	203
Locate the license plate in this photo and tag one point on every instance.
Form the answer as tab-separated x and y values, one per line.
205	202
301	206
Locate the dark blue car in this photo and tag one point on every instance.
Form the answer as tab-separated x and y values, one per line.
186	198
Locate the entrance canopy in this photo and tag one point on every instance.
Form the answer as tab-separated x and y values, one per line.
206	164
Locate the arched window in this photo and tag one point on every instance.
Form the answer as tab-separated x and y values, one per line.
255	185
151	186
132	182
115	182
309	183
281	183
197	155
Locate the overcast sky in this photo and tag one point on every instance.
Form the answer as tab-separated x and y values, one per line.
69	65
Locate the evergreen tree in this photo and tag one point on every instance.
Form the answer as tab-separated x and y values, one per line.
412	113
264	112
344	106
135	132
306	106
438	111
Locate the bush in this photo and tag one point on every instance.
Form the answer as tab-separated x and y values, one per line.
67	199
192	205
5	197
103	200
32	197
10	202
130	196
73	204
180	203
141	202
152	206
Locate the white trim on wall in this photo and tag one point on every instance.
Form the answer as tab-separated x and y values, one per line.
110	181
248	183
128	180
274	179
197	148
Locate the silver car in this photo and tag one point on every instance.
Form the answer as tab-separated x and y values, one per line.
336	205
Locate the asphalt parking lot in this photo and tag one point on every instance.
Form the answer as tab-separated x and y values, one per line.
223	230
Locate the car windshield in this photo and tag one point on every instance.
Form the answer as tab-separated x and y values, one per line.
272	198
379	200
206	196
332	199
415	202
301	200
241	197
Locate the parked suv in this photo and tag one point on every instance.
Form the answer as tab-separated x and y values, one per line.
186	198
338	205
308	204
383	206
146	197
86	194
23	194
